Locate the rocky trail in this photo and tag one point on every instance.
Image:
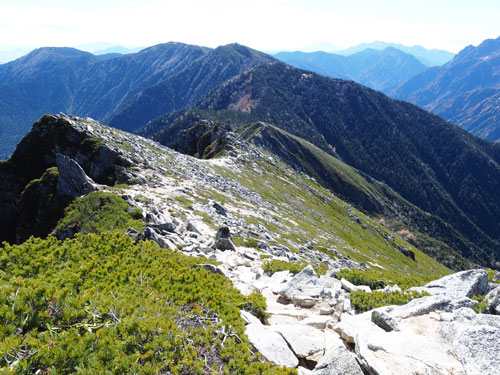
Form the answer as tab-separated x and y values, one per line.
311	323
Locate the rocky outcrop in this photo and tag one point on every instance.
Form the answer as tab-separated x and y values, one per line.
72	181
82	154
459	285
424	337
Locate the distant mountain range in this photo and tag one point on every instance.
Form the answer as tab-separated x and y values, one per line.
117	49
428	57
433	164
465	91
378	69
52	80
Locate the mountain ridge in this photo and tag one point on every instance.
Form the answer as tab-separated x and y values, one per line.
465	91
52	80
360	123
380	70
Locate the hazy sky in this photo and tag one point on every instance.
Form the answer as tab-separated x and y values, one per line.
261	24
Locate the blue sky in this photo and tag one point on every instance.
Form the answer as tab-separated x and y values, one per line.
261	24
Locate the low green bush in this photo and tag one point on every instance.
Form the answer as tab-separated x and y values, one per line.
376	279
274	265
246	242
99	212
491	275
101	304
363	301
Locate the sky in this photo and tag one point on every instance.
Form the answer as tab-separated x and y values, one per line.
266	25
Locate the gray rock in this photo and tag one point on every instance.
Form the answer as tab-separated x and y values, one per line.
249	318
263	246
303	340
493	300
122	176
223	239
459	285
191	228
304	301
212	269
306	283
392	289
496	277
271	345
384	321
72	180
134	234
220	210
337	361
478	348
350	287
425	305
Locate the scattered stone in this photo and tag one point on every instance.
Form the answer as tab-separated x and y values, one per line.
271	345
493	301
496	277
223	239
326	310
212	269
219	209
392	289
249	318
191	228
350	287
304	301
263	246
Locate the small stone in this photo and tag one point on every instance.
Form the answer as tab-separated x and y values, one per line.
304	301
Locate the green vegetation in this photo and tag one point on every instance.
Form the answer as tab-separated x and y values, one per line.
40	207
363	301
377	279
100	304
91	145
482	305
426	160
491	275
294	267
246	242
304	209
99	212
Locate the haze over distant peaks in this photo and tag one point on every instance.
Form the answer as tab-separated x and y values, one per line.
429	57
465	91
118	49
378	69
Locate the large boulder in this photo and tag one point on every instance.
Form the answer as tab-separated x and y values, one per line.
72	180
468	283
223	239
305	283
475	340
271	345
